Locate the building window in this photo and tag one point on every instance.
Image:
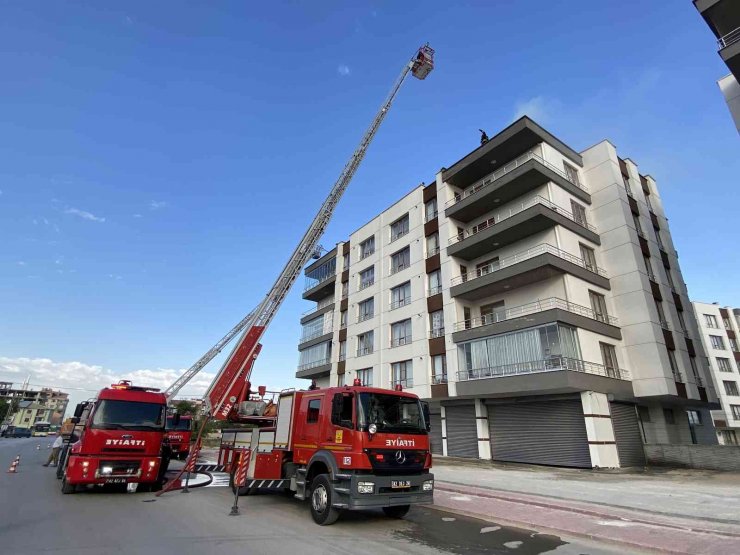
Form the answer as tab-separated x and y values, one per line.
435	282
365	376
661	315
670	417
733	344
402	374
711	321
638	227
432	244
463	273
649	267
430	210
366	309
345	261
735	412
674	367
437	323
669	277
367	247
345	289
401	295
367	277
598	305
439	369
400	260
644	413
400	227
682	321
658	239
609	357
467	318
717	342
340	380
579	213
694	417
401	333
312	414
726	322
491	313
365	343
695	371
343	319
316	355
342	351
487	267
316	327
572	174
730	388
589	257
724	364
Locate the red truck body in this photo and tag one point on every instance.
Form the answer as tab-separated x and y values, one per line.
342	447
120	441
178	436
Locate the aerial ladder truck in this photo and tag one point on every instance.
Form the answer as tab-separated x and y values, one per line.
343	447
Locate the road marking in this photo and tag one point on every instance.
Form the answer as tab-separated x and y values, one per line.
449	519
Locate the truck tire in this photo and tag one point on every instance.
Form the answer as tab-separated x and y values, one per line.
61	462
67	487
322	497
243	490
399	511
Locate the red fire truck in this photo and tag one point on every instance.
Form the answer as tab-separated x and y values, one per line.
179	435
341	447
121	440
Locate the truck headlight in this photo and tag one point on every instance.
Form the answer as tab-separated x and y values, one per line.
152	464
106	470
85	464
428	485
365	487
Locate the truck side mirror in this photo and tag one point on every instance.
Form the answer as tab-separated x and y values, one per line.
79	409
336	409
176	419
425	412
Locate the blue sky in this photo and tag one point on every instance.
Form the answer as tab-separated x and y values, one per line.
158	161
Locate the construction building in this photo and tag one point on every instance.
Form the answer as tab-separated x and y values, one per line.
48	402
723	18
533	294
720	334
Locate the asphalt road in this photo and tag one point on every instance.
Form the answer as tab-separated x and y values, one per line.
36	518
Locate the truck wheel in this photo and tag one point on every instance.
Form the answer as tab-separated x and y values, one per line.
61	462
399	511
322	497
67	487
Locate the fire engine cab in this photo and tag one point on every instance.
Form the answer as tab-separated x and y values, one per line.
343	448
179	435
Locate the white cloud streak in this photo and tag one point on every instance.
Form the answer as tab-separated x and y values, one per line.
343	70
156	205
84	215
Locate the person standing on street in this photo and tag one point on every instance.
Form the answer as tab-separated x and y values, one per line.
55	448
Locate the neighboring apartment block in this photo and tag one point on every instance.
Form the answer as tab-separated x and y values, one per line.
720	335
723	18
530	292
39	405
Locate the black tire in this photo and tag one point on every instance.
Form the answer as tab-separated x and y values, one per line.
61	461
399	511
67	487
322	498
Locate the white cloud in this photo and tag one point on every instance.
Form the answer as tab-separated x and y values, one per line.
156	205
343	70
83	381
137	216
83	214
21	263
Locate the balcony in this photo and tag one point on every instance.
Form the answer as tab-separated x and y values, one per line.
729	50
400	341
403	382
319	309
515	223
524	268
522	175
316	369
320	279
533	314
551	364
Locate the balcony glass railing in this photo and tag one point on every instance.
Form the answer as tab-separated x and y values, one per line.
507	168
515	209
314	364
403	382
313	334
538	250
730	38
321	274
551	364
532	308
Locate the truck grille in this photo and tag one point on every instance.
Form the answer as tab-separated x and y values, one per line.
121	468
386	461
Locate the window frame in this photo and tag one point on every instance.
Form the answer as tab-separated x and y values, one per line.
403	231
311	416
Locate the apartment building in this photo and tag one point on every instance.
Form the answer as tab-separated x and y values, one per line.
723	18
720	334
51	402
532	293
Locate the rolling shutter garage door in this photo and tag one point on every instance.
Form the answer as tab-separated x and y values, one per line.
435	434
462	436
547	432
627	434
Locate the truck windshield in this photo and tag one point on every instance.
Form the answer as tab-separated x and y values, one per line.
390	413
128	415
183	425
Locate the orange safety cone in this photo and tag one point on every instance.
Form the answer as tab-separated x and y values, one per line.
14	465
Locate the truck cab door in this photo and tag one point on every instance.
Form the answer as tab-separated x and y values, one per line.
310	427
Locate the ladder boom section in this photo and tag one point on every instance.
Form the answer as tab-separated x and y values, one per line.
233	372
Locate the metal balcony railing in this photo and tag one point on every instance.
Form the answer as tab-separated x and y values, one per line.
395	268
365	316
434	290
403	382
314	364
364	351
316	333
514	210
550	364
430	217
432	252
400	302
437	332
533	308
543	248
321	304
491	178
400	341
366	284
436	380
343	357
730	38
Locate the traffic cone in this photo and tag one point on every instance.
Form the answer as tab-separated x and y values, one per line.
14	465
38	447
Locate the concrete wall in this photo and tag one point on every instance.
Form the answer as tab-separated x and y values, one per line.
710	457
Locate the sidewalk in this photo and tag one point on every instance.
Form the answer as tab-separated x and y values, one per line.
669	511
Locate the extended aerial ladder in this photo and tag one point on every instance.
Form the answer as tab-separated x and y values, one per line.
231	384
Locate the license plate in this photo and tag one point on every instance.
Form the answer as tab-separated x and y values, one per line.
400	484
115	480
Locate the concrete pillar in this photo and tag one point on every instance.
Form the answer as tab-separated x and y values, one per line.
443	416
481	424
601	442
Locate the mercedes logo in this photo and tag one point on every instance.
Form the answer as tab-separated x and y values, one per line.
127	436
400	457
